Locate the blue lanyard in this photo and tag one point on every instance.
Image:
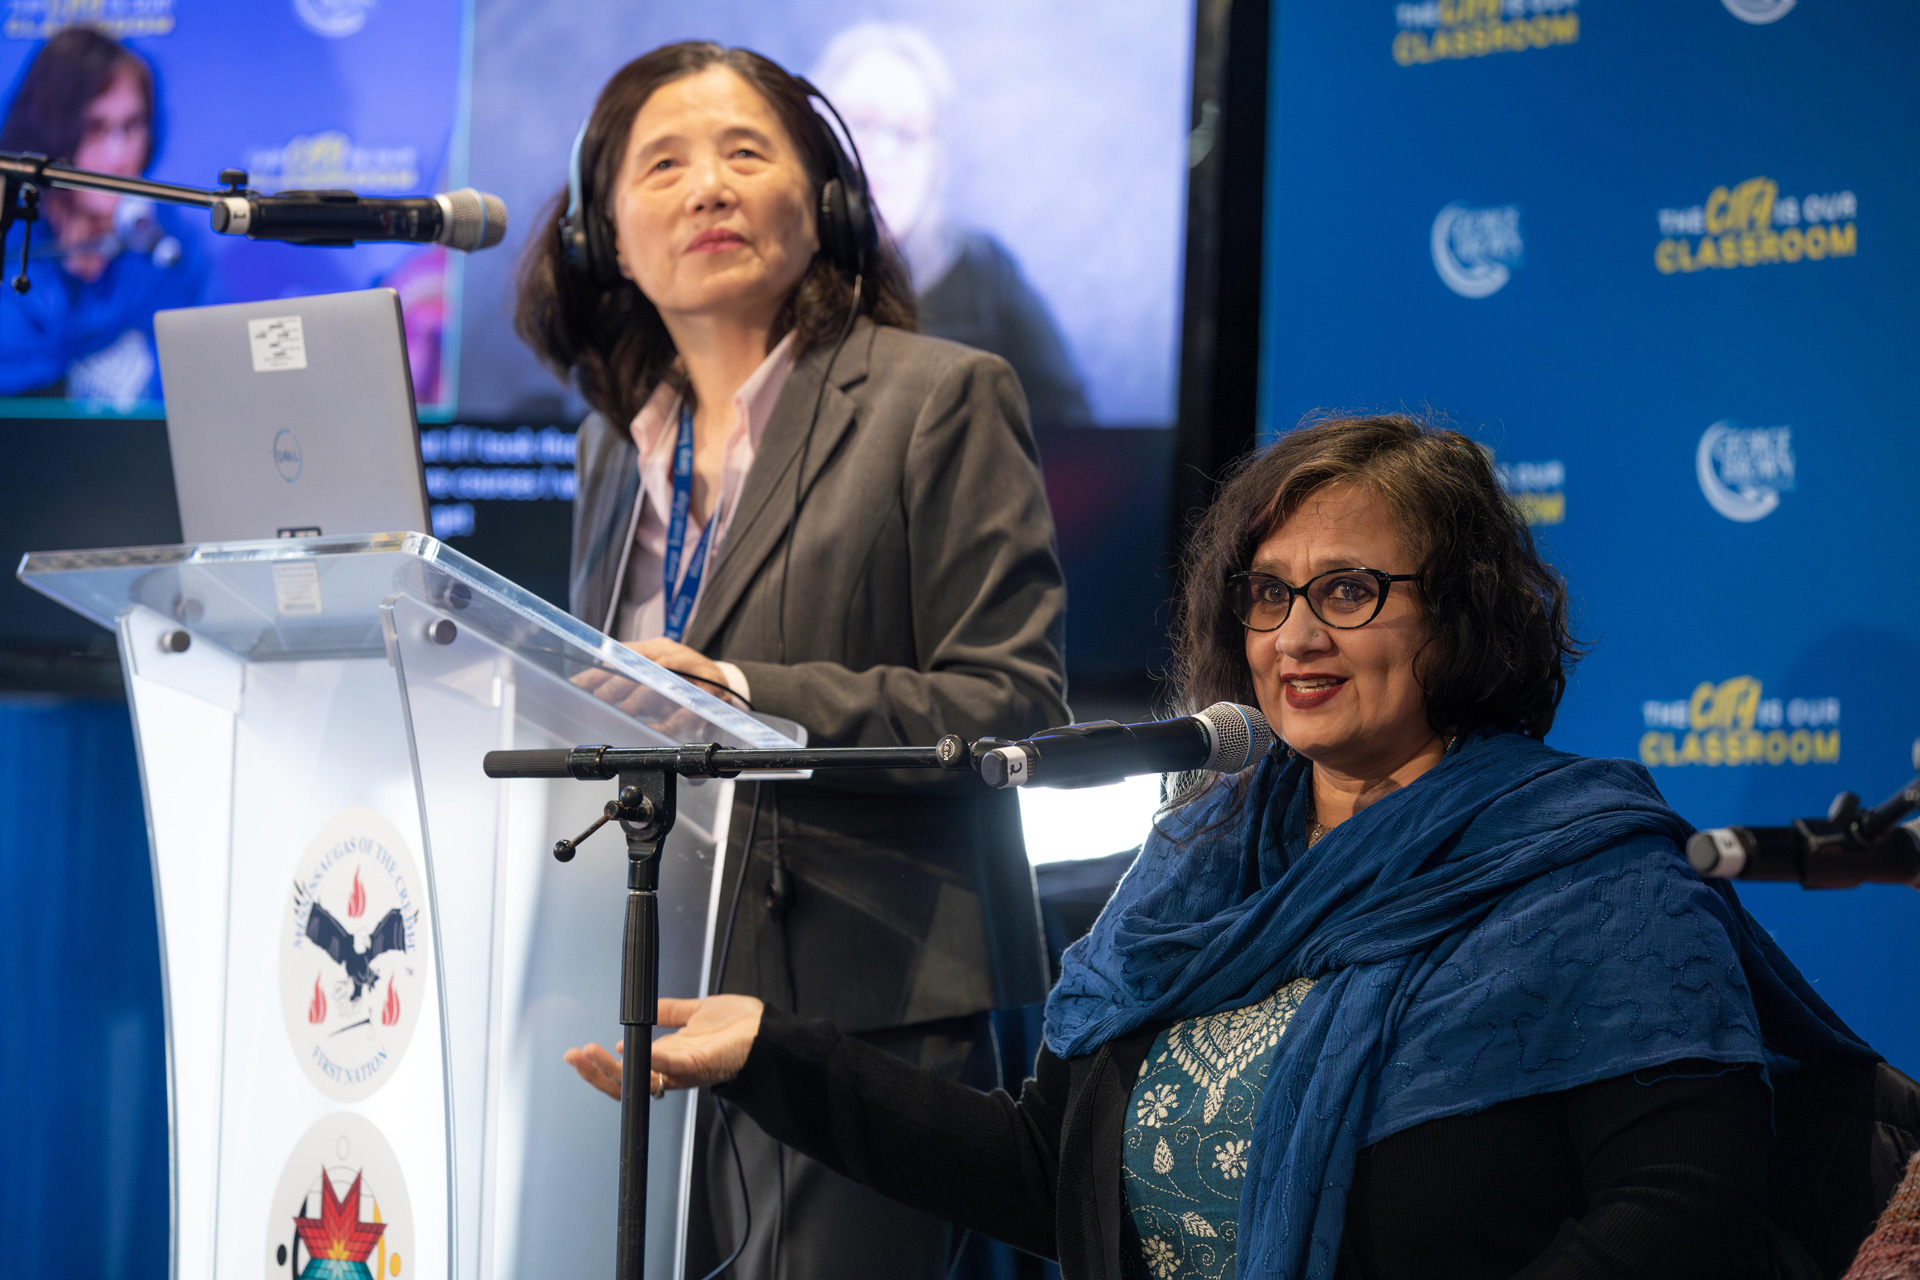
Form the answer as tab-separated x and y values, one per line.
682	592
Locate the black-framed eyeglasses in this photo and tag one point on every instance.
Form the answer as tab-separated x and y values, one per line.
1341	598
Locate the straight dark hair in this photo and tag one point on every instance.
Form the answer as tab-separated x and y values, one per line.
48	114
1498	644
604	332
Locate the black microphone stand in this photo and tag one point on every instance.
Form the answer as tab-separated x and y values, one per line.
1838	852
1849	847
644	807
23	174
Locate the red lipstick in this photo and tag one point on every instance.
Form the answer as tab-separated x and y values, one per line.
1307	699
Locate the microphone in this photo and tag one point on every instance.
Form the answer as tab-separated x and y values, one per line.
1849	846
465	219
1815	853
1225	738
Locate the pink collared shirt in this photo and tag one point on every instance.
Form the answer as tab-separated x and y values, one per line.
641	613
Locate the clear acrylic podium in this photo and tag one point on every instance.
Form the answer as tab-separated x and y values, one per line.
371	963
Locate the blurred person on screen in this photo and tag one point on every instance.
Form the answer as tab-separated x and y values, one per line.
103	263
896	92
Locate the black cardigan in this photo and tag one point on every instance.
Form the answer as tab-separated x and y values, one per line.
1659	1174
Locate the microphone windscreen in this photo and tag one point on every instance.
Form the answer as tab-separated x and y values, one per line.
549	762
495	228
475	220
1240	736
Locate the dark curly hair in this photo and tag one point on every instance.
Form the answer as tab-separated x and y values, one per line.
1498	646
605	333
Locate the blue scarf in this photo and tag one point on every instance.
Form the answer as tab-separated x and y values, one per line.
1516	921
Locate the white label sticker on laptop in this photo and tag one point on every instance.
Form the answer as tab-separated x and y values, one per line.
277	344
296	586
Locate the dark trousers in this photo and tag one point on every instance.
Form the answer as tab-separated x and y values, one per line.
808	1222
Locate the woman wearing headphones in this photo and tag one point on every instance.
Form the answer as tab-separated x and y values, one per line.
786	494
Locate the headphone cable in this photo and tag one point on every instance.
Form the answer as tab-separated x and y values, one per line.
746	858
726	690
778	875
746	1201
719	982
806	445
571	226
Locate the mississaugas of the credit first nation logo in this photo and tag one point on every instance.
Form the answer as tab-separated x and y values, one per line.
352	955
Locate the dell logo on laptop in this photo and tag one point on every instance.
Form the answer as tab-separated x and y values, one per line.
286	455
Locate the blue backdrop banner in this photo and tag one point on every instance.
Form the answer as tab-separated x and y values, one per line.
1656	257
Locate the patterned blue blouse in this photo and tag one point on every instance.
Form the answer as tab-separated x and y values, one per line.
1190	1123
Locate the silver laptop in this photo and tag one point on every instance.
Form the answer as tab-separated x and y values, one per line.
292	418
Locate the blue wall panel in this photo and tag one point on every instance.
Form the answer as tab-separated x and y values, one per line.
1499	210
82	1046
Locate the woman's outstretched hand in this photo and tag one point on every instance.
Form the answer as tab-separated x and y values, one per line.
711	1045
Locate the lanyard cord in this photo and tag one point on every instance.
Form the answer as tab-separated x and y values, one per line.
681	592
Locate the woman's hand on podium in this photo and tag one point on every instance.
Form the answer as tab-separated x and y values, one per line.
643	703
711	1046
684	661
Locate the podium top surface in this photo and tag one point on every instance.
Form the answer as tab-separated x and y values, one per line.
294	599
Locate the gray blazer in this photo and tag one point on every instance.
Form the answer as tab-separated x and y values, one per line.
926	598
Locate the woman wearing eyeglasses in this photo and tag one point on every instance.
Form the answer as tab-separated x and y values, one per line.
1416	996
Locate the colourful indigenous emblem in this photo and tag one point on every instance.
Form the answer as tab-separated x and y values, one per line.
341	1211
338	1243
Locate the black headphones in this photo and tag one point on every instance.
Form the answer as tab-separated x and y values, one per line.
849	233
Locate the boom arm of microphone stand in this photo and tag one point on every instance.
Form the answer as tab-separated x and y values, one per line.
645	810
17	167
23	174
710	760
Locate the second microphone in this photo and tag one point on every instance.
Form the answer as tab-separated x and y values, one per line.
465	219
1225	738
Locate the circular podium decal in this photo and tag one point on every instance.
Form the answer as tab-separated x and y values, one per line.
341	1210
352	965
